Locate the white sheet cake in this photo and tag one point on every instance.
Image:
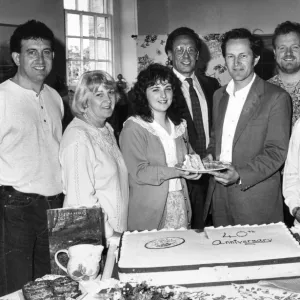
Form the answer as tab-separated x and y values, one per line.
219	256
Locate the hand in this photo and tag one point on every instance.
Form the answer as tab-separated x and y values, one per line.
188	175
116	234
114	239
227	177
296	213
208	158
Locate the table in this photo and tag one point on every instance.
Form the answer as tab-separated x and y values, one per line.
231	292
288	289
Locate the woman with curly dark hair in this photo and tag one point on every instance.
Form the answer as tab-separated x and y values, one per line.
152	141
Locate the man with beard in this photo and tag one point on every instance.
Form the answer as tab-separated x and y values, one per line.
30	176
286	44
194	98
251	130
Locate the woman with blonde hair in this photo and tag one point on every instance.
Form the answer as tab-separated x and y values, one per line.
93	169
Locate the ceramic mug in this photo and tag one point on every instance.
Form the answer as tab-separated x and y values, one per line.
84	261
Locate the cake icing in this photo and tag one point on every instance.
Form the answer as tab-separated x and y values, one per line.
218	256
192	162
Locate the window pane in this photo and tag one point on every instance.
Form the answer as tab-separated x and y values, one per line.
83	5
73	25
101	30
88	49
69	4
101	65
74	72
108	67
73	48
102	50
88	66
88	26
109	51
97	6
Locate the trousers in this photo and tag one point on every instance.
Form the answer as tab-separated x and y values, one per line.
24	244
197	192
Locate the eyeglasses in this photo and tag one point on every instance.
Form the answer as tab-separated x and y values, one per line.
180	50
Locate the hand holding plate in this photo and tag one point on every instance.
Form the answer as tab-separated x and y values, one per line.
228	177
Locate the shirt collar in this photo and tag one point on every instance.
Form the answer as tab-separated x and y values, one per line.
243	91
181	77
27	90
161	130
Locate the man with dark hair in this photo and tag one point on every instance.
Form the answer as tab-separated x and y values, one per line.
194	98
286	47
251	129
30	176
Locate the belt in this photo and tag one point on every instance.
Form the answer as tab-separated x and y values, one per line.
10	189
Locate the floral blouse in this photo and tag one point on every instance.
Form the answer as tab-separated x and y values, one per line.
294	93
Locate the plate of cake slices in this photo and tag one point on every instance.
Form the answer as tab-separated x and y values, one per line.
52	287
144	291
194	164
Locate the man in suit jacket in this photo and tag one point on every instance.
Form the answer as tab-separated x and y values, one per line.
182	47
251	130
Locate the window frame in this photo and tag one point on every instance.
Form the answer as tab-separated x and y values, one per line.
109	17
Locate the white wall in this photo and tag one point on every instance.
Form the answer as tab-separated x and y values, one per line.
50	12
204	16
160	17
208	16
128	27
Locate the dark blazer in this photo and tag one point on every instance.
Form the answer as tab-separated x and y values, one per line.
259	151
209	85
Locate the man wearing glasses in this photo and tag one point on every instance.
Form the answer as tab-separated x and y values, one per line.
194	98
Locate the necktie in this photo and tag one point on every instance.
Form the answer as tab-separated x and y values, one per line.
200	143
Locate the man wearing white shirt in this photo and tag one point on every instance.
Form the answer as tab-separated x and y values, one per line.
194	97
30	176
251	129
291	175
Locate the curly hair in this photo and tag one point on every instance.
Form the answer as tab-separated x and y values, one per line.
285	28
256	43
89	82
149	77
32	29
182	31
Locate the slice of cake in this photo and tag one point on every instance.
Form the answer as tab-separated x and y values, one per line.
60	288
234	254
214	165
192	162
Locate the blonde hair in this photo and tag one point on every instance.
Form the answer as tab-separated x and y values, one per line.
89	82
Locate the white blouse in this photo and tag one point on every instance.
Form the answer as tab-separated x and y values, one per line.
94	172
168	142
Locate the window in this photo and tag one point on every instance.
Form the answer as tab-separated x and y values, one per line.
88	37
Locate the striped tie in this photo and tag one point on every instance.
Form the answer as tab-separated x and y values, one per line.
198	120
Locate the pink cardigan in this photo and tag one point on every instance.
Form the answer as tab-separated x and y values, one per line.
145	159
